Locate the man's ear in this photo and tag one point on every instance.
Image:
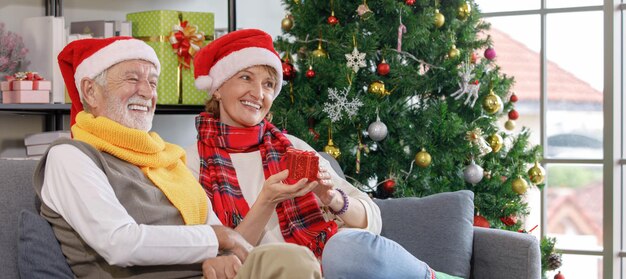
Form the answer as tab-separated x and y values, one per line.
88	88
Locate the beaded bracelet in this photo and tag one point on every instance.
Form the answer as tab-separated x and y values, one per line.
345	203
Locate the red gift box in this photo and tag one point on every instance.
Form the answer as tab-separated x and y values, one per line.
301	164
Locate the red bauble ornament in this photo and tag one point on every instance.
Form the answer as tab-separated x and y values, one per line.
509	220
559	276
409	2
383	68
490	53
480	221
332	20
513	114
389	186
310	73
513	98
289	72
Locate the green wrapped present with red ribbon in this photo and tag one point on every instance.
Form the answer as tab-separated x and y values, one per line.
176	36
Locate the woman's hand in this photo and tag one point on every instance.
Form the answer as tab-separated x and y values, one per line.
325	190
221	267
275	191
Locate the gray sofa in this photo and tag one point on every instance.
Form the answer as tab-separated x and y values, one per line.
437	229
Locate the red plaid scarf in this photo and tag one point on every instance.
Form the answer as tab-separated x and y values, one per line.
301	220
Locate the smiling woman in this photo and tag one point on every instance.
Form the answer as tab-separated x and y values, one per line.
238	161
247	109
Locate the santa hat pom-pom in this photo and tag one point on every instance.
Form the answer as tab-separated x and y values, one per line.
204	83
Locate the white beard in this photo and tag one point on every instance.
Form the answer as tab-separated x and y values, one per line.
122	114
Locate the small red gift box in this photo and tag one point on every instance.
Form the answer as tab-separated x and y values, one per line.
25	97
301	164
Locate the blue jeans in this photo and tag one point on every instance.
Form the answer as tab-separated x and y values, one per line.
361	254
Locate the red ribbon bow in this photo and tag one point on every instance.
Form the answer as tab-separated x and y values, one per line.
32	76
186	40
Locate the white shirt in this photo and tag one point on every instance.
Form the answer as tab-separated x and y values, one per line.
79	191
249	169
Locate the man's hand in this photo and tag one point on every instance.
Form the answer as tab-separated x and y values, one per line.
221	267
231	241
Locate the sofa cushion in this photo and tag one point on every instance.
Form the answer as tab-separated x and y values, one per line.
39	252
437	229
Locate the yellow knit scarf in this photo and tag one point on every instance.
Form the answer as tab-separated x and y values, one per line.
163	163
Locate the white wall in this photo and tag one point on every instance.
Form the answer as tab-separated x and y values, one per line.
265	15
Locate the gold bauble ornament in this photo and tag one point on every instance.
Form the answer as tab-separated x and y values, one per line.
537	174
319	52
439	19
378	88
463	12
423	159
287	23
492	103
519	185
454	52
509	125
332	149
495	142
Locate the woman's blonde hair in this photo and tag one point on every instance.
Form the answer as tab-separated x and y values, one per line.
212	105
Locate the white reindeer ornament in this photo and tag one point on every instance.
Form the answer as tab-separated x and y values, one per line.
466	86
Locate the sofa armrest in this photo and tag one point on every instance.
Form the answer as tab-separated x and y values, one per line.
16	186
500	253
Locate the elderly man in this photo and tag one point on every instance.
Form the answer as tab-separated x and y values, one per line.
120	199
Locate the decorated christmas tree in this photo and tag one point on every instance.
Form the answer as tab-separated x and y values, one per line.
407	95
399	93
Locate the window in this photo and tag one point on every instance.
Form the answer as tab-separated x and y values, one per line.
561	76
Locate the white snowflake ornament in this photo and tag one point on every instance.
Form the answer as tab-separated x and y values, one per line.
338	103
356	60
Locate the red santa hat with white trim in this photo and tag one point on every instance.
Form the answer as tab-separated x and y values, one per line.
87	58
223	58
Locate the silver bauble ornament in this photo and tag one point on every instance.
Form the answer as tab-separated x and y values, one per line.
473	173
377	131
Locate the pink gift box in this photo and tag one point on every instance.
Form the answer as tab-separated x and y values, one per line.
16	85
5	86
26	97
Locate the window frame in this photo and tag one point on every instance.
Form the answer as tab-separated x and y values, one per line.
613	161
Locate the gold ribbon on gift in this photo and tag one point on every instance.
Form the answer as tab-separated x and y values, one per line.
186	40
